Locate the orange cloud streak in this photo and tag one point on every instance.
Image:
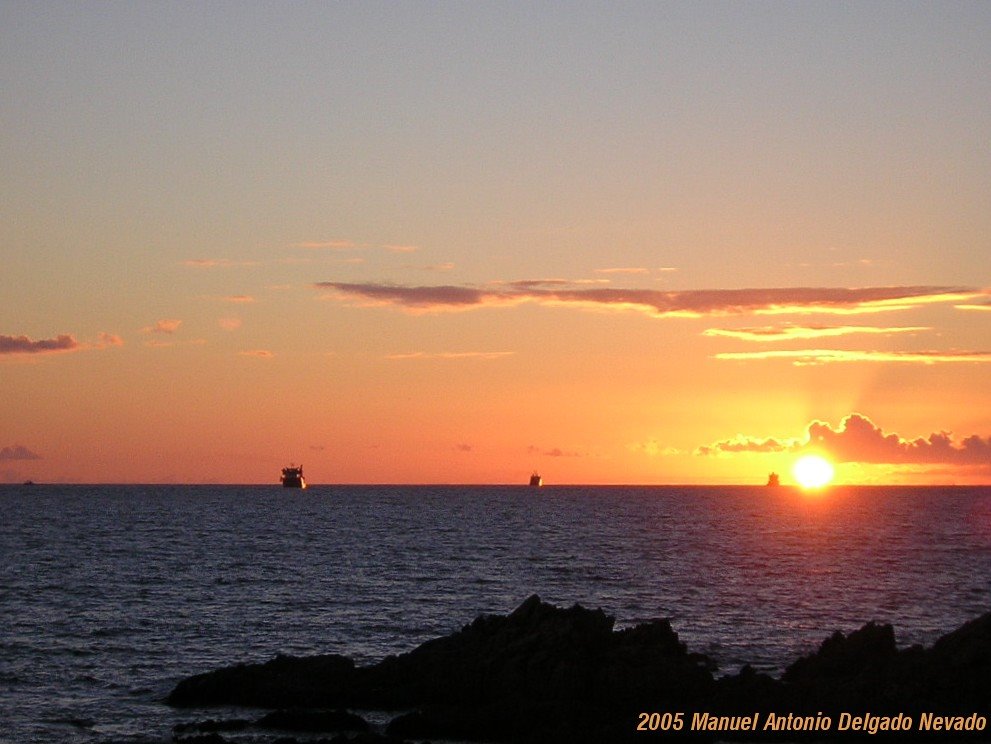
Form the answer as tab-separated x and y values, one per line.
789	333
657	303
829	356
452	355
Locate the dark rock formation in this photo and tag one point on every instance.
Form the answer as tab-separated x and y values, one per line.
233	724
303	719
547	674
283	682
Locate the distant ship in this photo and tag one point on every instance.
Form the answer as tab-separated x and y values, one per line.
535	480
773	480
292	477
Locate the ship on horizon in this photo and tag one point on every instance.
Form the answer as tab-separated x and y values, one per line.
535	480
773	480
292	477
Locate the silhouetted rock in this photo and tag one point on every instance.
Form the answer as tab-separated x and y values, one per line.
864	653
283	682
958	666
233	724
303	719
213	738
546	674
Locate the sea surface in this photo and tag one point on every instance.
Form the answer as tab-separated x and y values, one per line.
111	594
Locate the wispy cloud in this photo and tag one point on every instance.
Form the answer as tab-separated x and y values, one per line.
809	357
790	332
979	306
858	262
858	439
623	270
653	448
210	263
656	303
392	248
552	452
229	324
239	298
258	353
331	245
167	326
24	345
18	452
105	340
742	443
452	355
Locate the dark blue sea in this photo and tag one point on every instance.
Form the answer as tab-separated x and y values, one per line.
110	594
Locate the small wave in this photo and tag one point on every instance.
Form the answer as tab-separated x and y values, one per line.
111	632
78	723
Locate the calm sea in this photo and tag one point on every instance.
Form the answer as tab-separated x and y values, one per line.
110	594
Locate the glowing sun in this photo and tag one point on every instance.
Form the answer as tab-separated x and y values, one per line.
812	471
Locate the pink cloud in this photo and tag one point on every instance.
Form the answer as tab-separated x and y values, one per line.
24	345
656	303
239	298
167	326
413	298
18	452
230	324
858	439
259	353
108	339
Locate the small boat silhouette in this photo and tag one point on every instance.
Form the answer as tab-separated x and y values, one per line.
535	480
292	477
773	480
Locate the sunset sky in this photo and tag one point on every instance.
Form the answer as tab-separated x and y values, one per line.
658	242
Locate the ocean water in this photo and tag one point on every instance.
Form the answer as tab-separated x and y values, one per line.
110	594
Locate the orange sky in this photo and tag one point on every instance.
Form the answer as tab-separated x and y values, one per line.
661	243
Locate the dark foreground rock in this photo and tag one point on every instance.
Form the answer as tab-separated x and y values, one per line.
546	674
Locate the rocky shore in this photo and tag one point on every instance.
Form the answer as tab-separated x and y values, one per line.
547	674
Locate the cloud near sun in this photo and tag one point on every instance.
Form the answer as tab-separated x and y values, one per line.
858	439
656	303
